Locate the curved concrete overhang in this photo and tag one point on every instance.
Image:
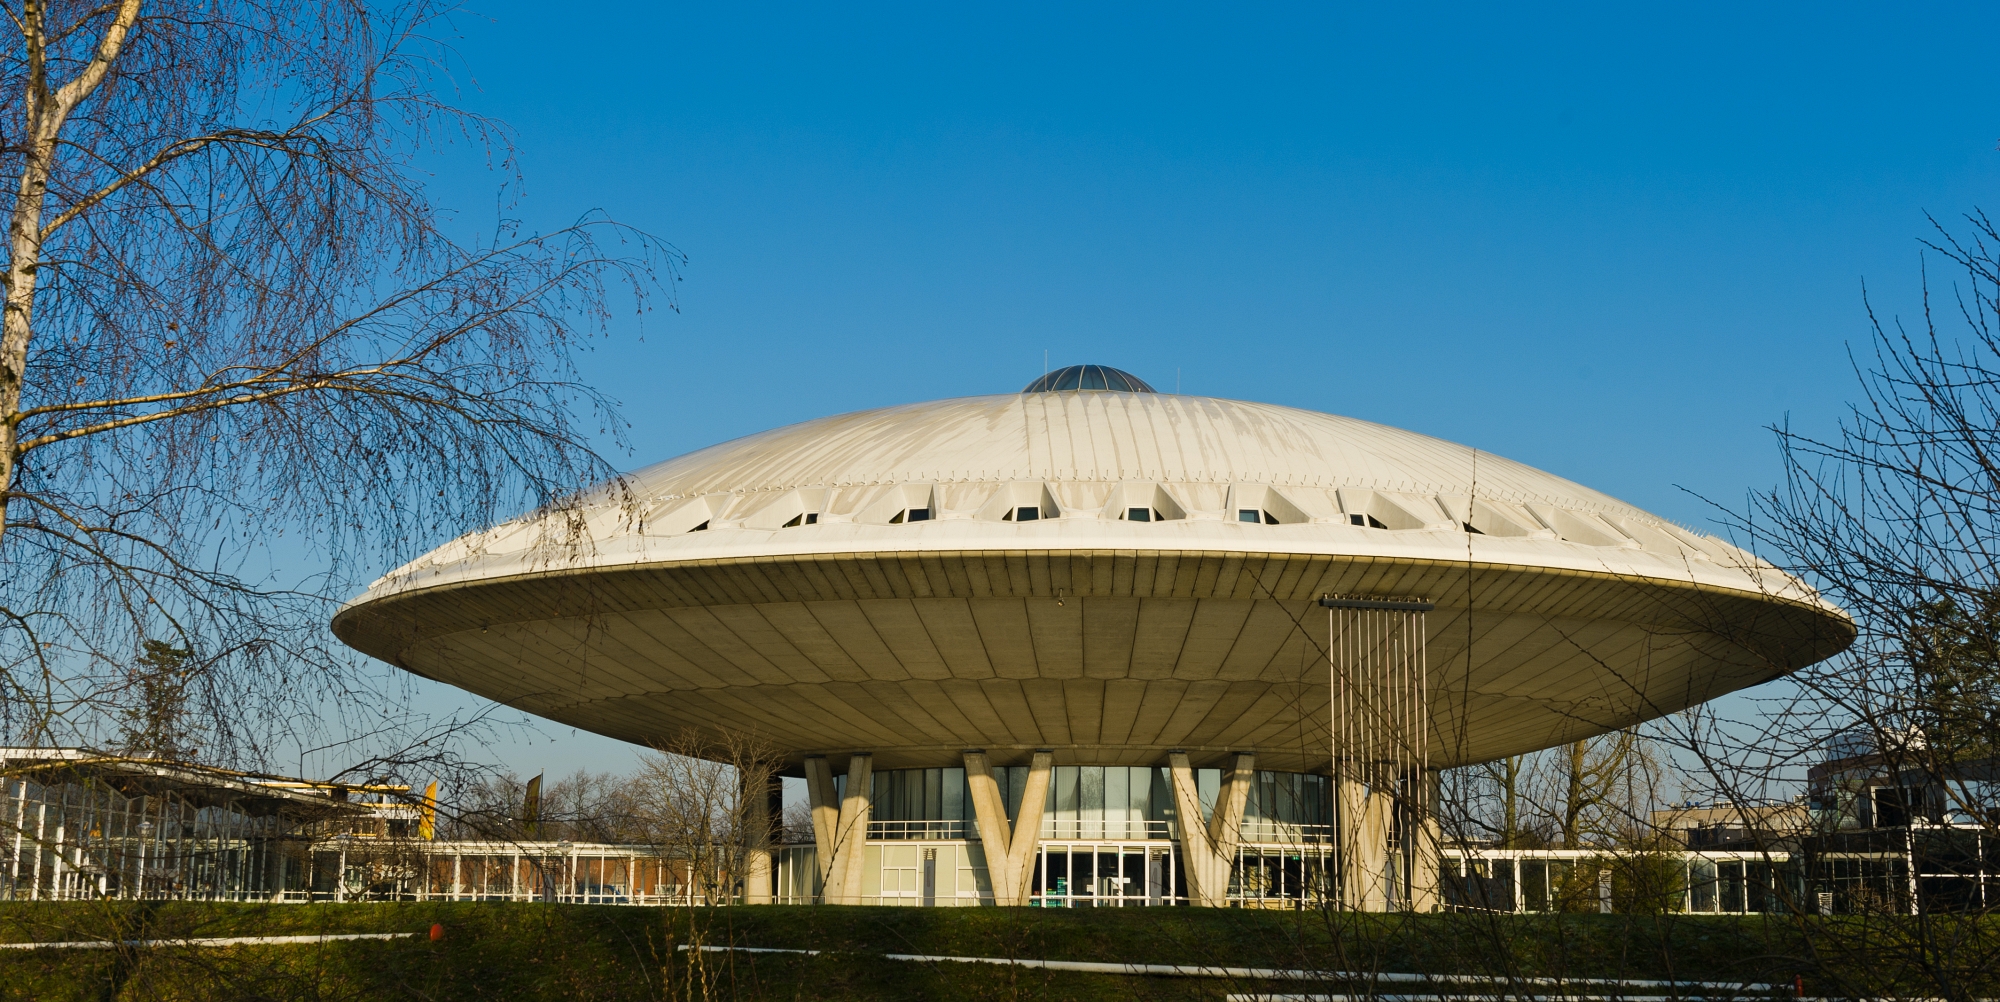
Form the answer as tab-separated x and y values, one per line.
697	594
1108	656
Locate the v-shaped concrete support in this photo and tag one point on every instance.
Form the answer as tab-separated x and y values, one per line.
841	829
1209	851
1010	849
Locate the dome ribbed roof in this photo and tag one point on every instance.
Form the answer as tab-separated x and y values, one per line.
1089	377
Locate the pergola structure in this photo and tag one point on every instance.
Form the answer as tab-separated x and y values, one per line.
1089	575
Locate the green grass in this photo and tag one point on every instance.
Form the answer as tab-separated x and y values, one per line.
570	952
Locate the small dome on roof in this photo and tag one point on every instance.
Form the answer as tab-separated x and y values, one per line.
1088	377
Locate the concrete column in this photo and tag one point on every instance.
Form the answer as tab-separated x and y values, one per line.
763	821
825	806
1010	849
1362	820
1208	852
1225	828
843	840
1028	825
989	817
1423	844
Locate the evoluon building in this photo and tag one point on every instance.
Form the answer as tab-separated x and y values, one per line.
1012	641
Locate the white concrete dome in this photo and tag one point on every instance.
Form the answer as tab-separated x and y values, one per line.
1107	574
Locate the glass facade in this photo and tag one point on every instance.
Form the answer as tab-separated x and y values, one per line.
1107	876
1108	839
1096	802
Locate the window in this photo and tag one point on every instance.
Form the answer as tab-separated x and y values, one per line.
1256	515
1025	513
1369	521
1138	514
809	518
911	515
699	528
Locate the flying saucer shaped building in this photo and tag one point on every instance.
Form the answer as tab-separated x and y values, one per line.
1089	576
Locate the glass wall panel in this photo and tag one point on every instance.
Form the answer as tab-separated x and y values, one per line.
955	800
1142	799
1161	805
1117	802
1062	805
1132	873
1701	885
1082	874
1110	877
1731	878
1207	785
1090	801
1535	885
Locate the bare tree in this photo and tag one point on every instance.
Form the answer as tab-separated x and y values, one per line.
239	339
1895	517
1506	777
700	802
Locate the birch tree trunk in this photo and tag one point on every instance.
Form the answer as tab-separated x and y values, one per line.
48	104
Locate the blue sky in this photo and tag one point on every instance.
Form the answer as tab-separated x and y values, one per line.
1613	242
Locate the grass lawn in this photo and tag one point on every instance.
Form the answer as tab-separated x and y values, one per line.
573	952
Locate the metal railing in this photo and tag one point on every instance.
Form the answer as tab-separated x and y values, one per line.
927	831
1254	831
1074	828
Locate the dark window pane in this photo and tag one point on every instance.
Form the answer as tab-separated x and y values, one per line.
812	518
699	528
920	514
1139	514
1027	514
1093	378
1248	515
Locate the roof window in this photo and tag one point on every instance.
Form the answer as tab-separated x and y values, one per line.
1141	502
1025	513
911	515
1368	521
805	518
1256	515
